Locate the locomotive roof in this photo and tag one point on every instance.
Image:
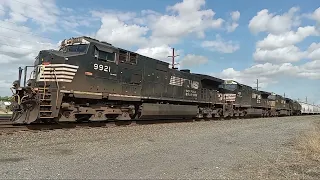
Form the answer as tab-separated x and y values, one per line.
96	41
203	76
265	92
103	43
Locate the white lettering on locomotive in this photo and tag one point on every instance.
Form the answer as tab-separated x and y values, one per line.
191	93
101	67
178	81
230	97
194	84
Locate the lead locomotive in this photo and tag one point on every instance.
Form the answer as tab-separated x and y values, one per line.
91	80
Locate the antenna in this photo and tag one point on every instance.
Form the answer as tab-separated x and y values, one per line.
173	56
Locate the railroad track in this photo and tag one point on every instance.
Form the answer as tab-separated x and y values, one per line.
7	127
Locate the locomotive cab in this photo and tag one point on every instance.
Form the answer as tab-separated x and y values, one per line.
50	68
82	65
230	90
228	86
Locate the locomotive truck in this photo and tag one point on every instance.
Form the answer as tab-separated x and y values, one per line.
91	80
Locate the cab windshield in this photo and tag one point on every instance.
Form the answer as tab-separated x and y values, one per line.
230	87
81	48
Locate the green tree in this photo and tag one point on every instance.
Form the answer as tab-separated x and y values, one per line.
4	98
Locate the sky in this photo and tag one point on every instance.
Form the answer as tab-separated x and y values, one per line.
276	42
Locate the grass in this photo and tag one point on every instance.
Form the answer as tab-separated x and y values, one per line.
302	161
309	143
4	113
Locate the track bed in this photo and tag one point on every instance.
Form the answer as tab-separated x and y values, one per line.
236	149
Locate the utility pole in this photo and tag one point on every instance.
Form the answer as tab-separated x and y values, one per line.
173	56
284	95
306	99
257	85
19	76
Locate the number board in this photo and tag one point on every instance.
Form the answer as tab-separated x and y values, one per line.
101	67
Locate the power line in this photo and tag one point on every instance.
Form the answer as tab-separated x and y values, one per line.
25	32
19	39
34	6
23	16
14	46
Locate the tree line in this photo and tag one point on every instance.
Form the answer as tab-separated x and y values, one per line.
4	98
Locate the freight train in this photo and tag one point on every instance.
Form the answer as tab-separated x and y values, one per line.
91	80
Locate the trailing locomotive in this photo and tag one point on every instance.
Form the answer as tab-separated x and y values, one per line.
90	80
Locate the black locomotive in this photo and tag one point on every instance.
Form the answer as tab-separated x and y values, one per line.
91	80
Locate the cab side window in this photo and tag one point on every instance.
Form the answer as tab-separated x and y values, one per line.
106	55
127	57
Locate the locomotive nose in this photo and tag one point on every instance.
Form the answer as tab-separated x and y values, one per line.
49	56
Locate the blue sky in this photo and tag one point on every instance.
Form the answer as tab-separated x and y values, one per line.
287	59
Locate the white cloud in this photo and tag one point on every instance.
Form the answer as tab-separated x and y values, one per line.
287	38
42	12
268	73
314	51
235	15
275	24
279	55
151	28
231	26
17	48
220	45
280	45
192	60
2	10
162	53
315	15
118	33
190	18
276	65
20	46
159	52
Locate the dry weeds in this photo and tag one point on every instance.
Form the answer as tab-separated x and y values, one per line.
302	161
307	161
309	143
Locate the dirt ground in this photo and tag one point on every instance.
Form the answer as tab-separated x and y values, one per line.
266	148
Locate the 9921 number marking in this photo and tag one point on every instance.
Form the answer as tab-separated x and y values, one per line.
101	67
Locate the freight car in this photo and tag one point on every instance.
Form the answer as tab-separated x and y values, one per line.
91	80
307	109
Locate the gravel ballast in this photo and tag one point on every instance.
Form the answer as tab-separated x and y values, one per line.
236	149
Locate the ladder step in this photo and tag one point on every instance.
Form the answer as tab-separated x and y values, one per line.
41	111
47	93
46	117
45	105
